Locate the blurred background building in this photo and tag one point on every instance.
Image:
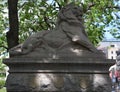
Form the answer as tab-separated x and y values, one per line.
110	47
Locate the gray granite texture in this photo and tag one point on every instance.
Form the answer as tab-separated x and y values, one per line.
61	60
69	37
58	75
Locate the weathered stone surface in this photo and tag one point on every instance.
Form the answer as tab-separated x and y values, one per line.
59	75
69	37
72	82
63	60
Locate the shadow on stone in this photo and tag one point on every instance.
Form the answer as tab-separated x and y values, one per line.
62	60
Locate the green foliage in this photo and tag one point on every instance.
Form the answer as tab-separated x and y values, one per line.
3	90
37	15
2	75
96	18
115	28
2	66
3	27
2	83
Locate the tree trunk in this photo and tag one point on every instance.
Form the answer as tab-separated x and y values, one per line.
12	34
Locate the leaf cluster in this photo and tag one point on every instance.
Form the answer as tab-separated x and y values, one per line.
37	15
3	29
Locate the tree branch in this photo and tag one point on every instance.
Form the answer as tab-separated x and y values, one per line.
89	7
4	47
116	7
46	21
58	4
22	5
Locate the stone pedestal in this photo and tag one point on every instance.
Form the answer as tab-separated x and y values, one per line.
59	75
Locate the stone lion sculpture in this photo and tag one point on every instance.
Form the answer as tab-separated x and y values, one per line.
68	36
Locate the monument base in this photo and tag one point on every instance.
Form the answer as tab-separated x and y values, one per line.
49	75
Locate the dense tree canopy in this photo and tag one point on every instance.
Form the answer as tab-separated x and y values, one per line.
41	15
3	27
